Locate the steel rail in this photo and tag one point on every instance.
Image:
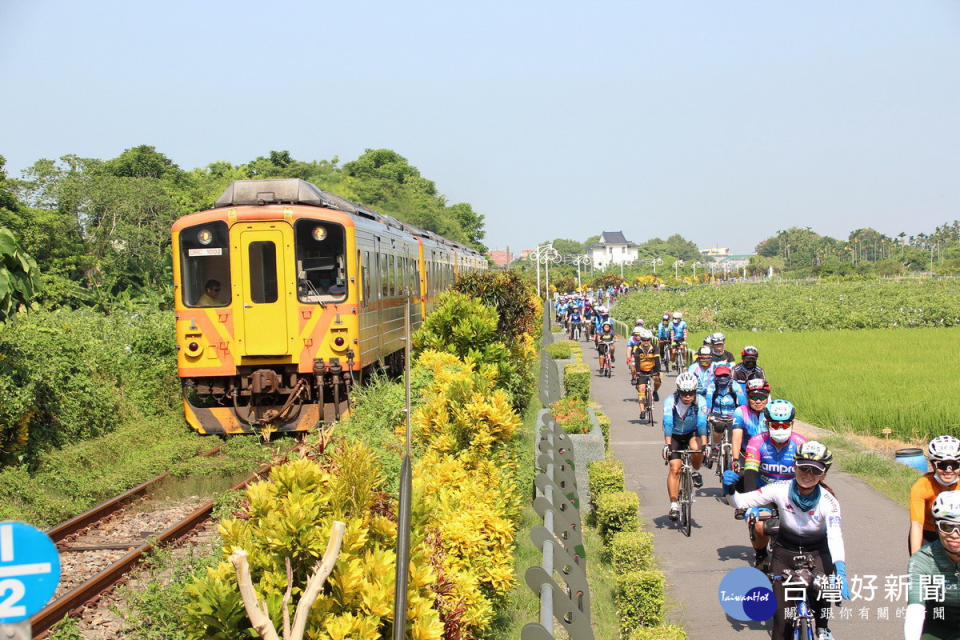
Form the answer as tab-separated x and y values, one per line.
41	621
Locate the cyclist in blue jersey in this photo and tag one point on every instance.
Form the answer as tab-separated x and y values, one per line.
684	427
576	321
703	369
723	397
663	340
770	458
749	419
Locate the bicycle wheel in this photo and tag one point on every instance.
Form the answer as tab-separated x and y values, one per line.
686	502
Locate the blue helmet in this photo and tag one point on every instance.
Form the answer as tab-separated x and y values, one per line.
779	411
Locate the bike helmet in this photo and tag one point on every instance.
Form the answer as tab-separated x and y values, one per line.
946	506
666	316
639	322
645	334
718	338
677	315
758	385
686	381
637	331
944	448
749	352
815	453
780	411
704	352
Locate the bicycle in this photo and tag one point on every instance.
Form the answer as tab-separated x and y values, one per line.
645	396
680	357
664	348
804	623
685	495
770	518
575	330
724	448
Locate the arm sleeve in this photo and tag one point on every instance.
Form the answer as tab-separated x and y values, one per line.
913	621
668	417
750	480
710	393
834	534
752	461
701	417
759	498
741	393
738	419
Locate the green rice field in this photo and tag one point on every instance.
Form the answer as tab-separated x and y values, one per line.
863	380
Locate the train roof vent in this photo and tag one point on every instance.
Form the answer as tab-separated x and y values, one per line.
284	191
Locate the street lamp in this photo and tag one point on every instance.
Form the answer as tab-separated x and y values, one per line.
676	268
696	264
544	254
579	260
654	262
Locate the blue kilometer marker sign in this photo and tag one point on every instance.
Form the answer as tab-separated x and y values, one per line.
29	571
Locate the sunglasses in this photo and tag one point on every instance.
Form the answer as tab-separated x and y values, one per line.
948	528
758	397
779	425
947	465
812	470
687	393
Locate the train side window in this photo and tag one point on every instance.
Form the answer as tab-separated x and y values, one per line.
393	275
205	265
365	275
384	280
263	272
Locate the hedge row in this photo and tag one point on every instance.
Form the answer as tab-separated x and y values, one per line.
629	551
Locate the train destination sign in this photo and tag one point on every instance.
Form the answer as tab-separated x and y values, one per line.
29	571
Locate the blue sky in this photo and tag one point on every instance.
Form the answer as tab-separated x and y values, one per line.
721	121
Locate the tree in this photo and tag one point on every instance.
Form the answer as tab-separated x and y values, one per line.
17	271
568	247
142	162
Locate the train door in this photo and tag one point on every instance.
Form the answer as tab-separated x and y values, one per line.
264	309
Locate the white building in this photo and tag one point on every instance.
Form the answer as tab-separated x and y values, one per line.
613	248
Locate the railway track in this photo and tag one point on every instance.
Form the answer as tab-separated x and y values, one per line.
99	547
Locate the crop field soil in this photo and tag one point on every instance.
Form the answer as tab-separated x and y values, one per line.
864	380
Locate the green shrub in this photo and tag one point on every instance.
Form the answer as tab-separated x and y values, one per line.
617	512
631	551
604	421
576	380
666	632
558	350
571	414
640	600
604	476
556	328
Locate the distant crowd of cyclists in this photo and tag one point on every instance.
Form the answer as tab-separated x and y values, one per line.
775	478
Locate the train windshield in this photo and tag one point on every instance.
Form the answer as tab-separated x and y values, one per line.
205	265
321	261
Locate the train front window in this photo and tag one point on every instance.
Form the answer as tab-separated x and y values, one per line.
205	265
321	261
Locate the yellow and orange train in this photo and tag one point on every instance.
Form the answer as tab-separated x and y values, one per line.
286	296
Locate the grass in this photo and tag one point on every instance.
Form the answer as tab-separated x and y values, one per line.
863	381
80	476
890	478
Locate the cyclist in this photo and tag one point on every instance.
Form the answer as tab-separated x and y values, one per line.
576	321
601	317
684	427
663	340
944	454
647	361
606	339
809	523
748	369
588	315
939	560
769	458
723	397
678	335
703	369
749	419
720	354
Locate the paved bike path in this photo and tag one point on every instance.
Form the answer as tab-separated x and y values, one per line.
874	527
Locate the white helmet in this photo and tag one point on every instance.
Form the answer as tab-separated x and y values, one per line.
645	334
601	309
677	315
637	331
718	338
944	448
946	506
687	381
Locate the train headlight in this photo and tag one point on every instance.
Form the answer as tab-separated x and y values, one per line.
194	349
319	233
204	236
339	341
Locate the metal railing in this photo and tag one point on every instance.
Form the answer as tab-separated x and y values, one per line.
560	539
